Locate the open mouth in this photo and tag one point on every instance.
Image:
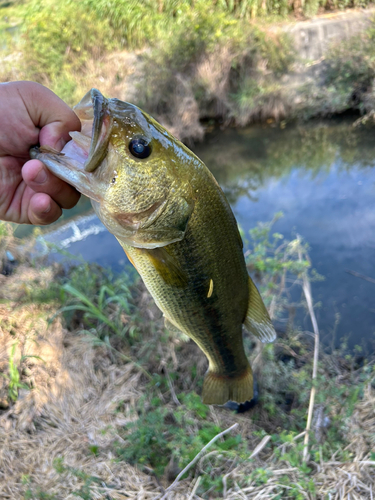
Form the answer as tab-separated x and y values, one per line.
92	110
87	149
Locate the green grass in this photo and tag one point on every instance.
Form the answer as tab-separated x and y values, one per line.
13	377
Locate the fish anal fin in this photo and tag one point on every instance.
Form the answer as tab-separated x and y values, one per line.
167	267
258	321
174	330
219	389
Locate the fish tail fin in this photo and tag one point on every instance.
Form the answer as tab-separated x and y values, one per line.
218	389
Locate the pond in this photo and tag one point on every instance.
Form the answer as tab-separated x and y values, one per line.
322	177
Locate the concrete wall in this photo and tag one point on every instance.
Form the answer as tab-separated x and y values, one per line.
312	38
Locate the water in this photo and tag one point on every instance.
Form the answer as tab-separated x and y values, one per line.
322	177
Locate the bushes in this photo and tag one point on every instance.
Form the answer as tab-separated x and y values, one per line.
346	79
57	41
204	59
212	65
351	67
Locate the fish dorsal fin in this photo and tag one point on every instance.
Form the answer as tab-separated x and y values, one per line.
257	320
167	267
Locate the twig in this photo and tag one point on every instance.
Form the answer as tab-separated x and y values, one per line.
358	275
299	435
287	348
196	458
306	287
283	445
191	496
260	446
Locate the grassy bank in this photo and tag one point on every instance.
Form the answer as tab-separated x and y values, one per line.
186	62
99	401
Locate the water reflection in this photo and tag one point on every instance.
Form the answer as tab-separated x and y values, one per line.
322	178
243	160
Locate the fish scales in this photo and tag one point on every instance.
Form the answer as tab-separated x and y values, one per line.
215	322
177	228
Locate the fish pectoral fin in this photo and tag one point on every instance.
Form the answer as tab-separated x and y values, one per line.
219	388
174	330
167	267
258	321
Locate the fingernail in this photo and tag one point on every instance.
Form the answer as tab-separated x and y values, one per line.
47	210
60	144
41	177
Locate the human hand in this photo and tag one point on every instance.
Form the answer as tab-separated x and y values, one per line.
32	114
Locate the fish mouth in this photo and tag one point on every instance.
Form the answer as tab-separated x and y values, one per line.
94	107
87	149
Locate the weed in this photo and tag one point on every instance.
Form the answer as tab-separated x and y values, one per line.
351	65
85	491
13	377
348	78
198	69
160	437
105	301
275	261
57	40
59	43
38	494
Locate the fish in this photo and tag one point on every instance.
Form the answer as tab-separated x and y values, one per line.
175	225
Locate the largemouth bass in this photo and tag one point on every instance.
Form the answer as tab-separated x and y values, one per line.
174	223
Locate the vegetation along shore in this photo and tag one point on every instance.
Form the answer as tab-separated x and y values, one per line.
186	62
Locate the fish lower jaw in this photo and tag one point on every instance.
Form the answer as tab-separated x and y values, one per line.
69	169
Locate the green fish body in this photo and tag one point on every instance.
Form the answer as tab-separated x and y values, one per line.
177	228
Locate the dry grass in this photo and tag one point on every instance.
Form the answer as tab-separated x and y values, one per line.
115	74
74	407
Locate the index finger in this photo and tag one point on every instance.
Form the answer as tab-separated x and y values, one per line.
48	112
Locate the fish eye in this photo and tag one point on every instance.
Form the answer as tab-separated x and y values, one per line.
140	147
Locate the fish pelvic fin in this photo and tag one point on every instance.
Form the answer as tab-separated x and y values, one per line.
219	388
258	321
174	330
